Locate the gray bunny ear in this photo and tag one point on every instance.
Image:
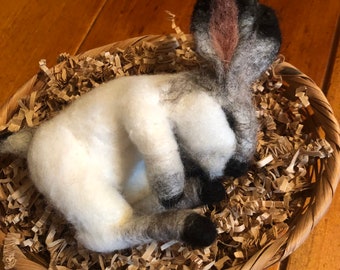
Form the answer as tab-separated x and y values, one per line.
243	4
214	26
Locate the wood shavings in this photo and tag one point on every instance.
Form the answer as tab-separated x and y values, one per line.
44	68
266	160
261	206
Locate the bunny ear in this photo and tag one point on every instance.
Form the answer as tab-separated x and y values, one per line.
242	4
214	26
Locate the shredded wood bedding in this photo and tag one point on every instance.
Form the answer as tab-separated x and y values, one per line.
260	208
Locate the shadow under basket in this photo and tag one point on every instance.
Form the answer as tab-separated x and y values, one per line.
269	212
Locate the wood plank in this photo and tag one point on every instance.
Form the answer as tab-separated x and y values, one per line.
333	94
2	237
308	28
120	20
274	267
307	40
50	29
321	251
32	30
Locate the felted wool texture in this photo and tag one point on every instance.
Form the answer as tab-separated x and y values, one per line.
112	128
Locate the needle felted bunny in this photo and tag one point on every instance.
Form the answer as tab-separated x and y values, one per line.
124	160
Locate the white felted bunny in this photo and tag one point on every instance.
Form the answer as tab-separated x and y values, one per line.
124	160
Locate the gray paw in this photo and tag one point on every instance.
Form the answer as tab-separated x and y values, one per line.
171	203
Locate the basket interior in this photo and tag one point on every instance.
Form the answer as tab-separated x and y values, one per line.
264	208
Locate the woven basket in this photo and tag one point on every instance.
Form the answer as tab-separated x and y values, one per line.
151	54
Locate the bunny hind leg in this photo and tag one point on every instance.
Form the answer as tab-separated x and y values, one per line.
183	225
198	231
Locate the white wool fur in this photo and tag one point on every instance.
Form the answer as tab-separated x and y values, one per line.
209	139
111	161
88	159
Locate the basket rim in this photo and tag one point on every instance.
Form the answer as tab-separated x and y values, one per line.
326	186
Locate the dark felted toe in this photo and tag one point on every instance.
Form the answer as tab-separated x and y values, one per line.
236	168
199	231
212	192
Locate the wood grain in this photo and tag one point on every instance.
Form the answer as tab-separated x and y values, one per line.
321	251
32	30
308	29
126	19
333	94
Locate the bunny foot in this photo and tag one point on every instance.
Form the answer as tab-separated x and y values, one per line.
199	231
236	168
212	192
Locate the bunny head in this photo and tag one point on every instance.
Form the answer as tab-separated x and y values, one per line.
221	28
238	40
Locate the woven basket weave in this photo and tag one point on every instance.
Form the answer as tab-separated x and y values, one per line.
172	55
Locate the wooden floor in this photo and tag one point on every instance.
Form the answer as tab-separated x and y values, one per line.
34	29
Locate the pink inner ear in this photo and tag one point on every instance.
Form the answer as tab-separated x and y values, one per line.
224	29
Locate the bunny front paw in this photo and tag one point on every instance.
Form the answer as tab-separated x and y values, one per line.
169	188
212	192
171	202
236	168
